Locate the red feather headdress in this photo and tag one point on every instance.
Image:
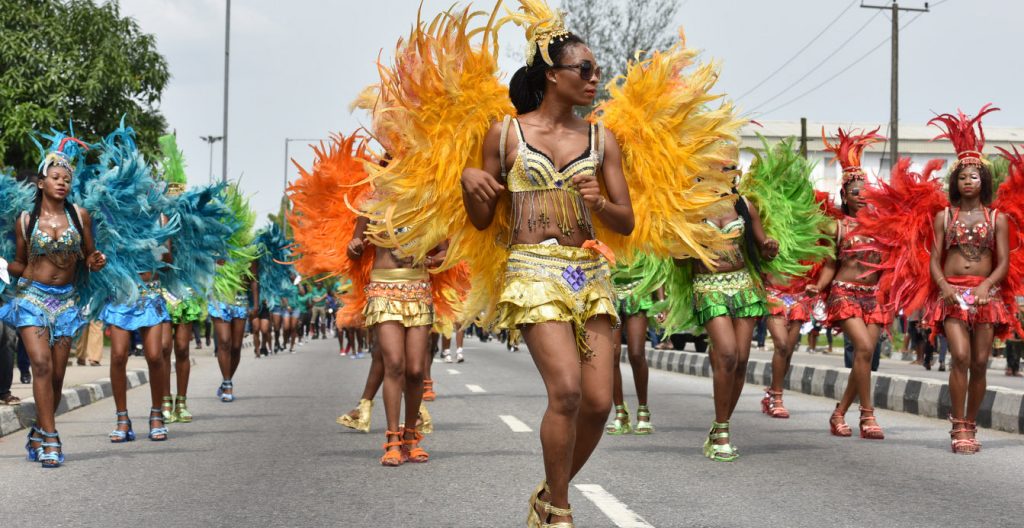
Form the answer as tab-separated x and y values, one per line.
849	149
966	134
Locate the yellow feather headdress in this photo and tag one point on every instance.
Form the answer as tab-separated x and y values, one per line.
543	25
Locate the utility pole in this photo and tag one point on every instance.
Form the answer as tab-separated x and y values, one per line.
894	82
227	57
211	139
803	137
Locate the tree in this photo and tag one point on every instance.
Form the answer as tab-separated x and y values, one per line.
75	61
616	30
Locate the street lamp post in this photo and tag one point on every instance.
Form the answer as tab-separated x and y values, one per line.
211	140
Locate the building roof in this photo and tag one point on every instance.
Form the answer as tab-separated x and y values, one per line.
914	139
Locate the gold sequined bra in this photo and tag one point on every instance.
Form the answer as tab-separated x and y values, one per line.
544	194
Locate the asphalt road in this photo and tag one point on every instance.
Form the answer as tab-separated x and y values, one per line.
275	458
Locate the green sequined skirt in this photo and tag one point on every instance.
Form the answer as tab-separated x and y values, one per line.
733	294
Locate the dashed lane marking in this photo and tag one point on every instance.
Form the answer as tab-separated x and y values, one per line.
475	388
515	424
619	513
453	372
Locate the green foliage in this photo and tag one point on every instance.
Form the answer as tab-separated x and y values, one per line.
281	217
1000	168
74	60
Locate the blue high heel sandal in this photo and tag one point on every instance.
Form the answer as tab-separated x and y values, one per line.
50	459
33	452
117	436
224	396
157	434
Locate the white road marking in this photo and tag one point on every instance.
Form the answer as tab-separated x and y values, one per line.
475	388
515	424
453	372
619	513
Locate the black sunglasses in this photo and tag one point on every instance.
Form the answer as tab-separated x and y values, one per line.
587	69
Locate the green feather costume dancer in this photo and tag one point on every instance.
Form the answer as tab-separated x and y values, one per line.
775	232
636	284
235	290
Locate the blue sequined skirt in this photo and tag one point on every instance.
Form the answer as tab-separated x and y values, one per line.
150	310
53	308
226	312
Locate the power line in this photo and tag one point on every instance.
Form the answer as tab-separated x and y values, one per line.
798	53
840	72
823	61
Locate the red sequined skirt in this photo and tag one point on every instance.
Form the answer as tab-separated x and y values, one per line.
995	312
848	300
794	307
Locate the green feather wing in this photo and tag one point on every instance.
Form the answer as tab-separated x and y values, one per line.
779	185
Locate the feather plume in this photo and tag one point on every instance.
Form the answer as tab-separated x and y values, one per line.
125	202
206	225
1010	202
964	131
542	25
15	197
325	200
779	184
900	219
232	277
849	148
275	274
436	104
674	145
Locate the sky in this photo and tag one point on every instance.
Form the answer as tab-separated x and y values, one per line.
296	66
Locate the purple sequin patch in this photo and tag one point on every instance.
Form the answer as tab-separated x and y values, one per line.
575	277
52	303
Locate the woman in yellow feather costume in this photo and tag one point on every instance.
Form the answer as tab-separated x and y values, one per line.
540	190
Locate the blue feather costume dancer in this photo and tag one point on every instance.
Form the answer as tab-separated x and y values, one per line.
51	307
47	258
205	224
234	289
274	276
133	229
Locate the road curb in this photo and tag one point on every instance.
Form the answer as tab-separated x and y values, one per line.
13	419
17	417
1001	409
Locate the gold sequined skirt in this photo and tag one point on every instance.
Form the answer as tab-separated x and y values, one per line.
403	295
545	283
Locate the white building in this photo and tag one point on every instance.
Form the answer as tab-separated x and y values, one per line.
915	142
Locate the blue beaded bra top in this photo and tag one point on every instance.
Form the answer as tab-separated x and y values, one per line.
63	250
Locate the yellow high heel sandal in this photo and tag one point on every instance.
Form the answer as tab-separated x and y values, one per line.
533	518
167	410
181	412
550	510
362	423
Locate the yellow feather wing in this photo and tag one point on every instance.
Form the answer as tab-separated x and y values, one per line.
673	146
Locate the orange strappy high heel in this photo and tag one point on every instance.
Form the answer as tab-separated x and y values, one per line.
428	390
837	424
411	447
870	432
392	458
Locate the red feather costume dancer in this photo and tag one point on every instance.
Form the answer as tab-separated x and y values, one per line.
853	300
970	261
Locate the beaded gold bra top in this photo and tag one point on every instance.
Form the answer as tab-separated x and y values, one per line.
63	250
544	194
733	255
